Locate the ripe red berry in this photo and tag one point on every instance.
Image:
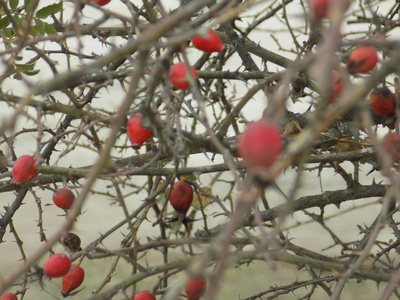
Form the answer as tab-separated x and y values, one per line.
362	59
391	141
63	198
178	76
57	265
72	279
195	288
319	9
209	42
383	102
9	296
337	85
144	295
24	169
100	2
136	133
260	144
181	197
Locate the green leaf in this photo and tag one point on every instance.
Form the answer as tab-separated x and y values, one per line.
27	5
49	10
49	29
8	33
31	72
191	177
40	26
14	4
4	22
25	67
34	31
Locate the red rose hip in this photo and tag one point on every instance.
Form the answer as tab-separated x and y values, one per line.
57	265
337	85
391	141
260	144
195	288
319	9
9	296
181	197
178	76
383	102
362	60
209	42
144	295
136	133
72	279
63	198
24	169
100	2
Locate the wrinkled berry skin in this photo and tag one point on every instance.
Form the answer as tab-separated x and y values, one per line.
383	102
137	134
63	198
72	279
24	169
57	265
362	60
178	76
144	295
260	144
195	288
209	42
181	197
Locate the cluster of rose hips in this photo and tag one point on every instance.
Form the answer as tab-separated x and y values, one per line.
209	42
178	76
59	265
181	195
362	60
259	146
25	170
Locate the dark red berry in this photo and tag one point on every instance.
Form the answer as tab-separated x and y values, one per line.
72	279
63	198
337	85
9	296
391	141
195	288
144	295
100	2
319	8
383	102
362	60
181	197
